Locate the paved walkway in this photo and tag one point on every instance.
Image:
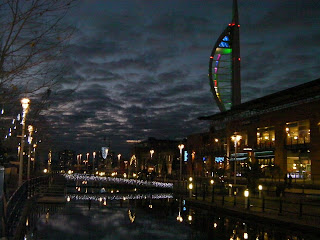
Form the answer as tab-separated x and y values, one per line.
300	210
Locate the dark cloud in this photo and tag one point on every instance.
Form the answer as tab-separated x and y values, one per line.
138	69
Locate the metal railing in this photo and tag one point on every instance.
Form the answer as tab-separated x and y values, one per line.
12	210
296	206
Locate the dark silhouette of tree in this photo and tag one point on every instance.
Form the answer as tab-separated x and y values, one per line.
32	37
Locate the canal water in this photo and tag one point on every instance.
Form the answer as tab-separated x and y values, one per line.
157	216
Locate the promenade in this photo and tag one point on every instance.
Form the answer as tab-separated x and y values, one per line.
296	207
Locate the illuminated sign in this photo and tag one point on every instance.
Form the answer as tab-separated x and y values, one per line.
186	157
219	159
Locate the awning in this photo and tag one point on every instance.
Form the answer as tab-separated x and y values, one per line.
239	159
240	156
264	154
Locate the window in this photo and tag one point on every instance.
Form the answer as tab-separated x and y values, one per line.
265	137
298	132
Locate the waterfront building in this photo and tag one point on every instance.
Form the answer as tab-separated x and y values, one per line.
279	131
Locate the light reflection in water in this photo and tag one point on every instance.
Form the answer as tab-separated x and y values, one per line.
207	224
167	219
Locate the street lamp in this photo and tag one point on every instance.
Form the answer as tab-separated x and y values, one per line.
260	190
34	156
246	196
49	161
87	162
30	129
151	153
94	158
25	106
190	186
181	146
119	158
235	138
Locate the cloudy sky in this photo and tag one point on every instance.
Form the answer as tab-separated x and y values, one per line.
138	68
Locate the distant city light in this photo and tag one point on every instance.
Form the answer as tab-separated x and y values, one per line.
133	141
100	198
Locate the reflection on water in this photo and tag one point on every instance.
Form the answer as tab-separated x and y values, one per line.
143	218
118	219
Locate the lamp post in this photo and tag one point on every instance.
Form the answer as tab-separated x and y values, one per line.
49	161
246	196
87	162
190	186
30	129
212	183
181	146
119	161
34	157
93	160
151	154
235	138
25	106
260	190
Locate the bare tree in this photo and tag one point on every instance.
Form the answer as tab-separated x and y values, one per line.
32	36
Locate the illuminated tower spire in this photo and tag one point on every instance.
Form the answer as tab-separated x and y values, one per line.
224	65
236	78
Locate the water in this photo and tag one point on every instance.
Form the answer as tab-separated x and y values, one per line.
130	219
145	219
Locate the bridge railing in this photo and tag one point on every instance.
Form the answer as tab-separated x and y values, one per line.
12	210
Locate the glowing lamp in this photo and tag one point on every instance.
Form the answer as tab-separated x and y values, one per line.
246	193
25	103
181	146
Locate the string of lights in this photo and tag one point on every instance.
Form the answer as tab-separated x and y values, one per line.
86	177
100	197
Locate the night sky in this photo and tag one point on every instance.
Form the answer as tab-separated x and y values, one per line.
138	69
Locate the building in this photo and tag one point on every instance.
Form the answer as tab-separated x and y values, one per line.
281	129
280	132
159	156
67	159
